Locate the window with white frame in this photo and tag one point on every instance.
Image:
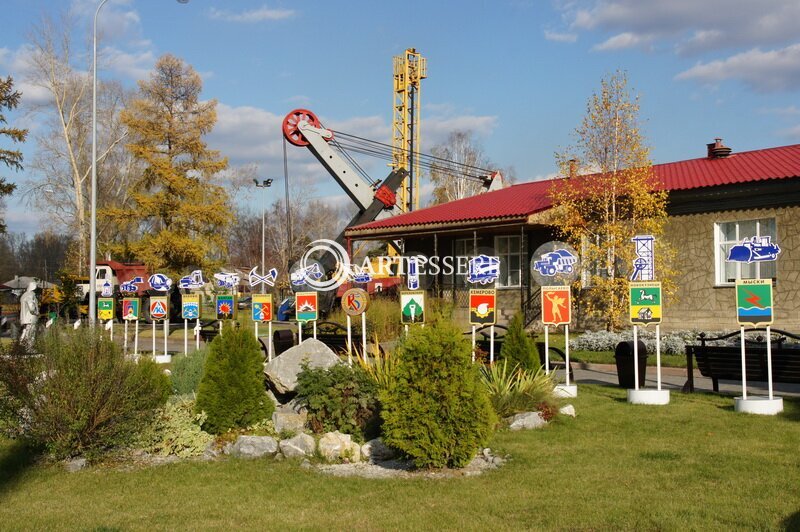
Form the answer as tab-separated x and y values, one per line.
729	234
509	249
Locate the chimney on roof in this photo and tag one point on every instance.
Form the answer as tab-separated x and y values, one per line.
717	150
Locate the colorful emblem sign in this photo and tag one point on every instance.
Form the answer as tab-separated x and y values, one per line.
645	302
226	307
306	306
355	301
190	307
412	306
158	307
130	308
482	307
105	308
754	302
754	249
262	307
556	305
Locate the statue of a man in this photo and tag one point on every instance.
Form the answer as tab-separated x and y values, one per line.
28	313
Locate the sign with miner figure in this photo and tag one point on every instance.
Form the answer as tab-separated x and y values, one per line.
556	305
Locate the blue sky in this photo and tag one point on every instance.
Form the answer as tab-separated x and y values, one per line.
516	72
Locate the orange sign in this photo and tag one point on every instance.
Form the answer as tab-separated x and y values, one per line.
556	305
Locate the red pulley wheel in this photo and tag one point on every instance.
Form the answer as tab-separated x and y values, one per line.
290	129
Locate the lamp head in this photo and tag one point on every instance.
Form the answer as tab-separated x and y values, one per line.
268	182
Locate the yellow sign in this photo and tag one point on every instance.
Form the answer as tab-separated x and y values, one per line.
105	308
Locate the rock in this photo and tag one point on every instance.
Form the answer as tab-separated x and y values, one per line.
300	445
334	446
282	371
497	461
279	457
377	451
254	446
354	455
305	464
227	448
567	410
75	465
527	420
273	398
211	450
288	421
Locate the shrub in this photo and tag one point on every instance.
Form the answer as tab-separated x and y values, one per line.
672	343
518	348
81	396
176	431
381	367
513	389
340	398
232	392
436	411
187	371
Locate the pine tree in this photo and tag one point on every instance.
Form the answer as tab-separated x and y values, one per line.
518	348
232	391
610	195
9	99
181	214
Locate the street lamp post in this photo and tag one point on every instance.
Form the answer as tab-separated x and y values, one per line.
265	184
93	201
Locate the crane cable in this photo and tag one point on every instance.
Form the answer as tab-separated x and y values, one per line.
354	143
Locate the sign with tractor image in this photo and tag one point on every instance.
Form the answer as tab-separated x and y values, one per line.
645	302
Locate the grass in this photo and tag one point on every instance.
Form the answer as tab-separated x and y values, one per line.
694	464
607	357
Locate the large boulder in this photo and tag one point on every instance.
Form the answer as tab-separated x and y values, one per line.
301	445
282	371
333	446
254	446
377	451
288	420
527	420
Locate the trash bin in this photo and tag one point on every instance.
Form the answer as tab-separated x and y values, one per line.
282	340
623	355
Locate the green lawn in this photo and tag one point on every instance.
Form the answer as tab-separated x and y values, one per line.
694	464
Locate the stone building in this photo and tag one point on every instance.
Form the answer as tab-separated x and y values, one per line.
715	202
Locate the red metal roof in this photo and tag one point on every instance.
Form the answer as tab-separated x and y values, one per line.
520	201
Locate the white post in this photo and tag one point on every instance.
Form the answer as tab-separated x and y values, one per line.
136	338
473	343
299	332
349	340
566	351
547	349
658	355
635	358
125	337
197	335
269	341
744	369
166	335
769	362
154	338
185	337
405	329
364	335
220	327
491	345
256	328
314	328
111	331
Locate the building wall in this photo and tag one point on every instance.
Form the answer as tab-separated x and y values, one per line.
699	304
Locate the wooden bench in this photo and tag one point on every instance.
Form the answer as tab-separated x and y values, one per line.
555	364
724	362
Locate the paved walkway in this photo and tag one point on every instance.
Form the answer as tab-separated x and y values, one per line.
674	379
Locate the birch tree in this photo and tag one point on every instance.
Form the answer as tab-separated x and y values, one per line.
448	179
609	195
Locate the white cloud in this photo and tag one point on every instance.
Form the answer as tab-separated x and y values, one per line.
132	65
691	26
254	15
624	40
763	71
560	37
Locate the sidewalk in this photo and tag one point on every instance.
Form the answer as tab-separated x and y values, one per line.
674	378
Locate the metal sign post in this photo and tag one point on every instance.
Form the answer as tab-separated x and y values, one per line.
349	340
557	310
754	304
645	308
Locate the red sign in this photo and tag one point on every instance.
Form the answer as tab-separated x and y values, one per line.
306	306
482	307
158	308
556	305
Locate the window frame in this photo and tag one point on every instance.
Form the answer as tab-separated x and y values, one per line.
504	258
720	279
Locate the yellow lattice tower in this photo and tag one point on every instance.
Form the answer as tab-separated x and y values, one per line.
409	69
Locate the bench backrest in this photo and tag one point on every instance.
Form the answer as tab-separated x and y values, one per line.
725	362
